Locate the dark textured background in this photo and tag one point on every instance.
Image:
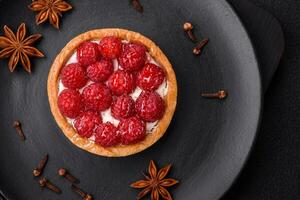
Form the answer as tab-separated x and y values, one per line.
273	170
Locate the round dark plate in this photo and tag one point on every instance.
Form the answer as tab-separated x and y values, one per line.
208	140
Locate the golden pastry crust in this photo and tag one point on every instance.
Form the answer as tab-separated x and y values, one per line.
86	144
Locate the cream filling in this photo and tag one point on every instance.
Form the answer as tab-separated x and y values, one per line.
106	115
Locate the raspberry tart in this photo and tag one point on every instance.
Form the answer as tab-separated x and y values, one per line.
113	92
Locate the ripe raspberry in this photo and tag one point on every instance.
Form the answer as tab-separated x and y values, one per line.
87	122
150	106
73	76
133	57
150	77
132	130
97	97
70	103
122	107
87	53
106	135
121	82
100	71
110	47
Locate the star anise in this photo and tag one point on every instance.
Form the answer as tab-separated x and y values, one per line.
155	183
18	48
49	9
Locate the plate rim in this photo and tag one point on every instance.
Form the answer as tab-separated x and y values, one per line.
258	125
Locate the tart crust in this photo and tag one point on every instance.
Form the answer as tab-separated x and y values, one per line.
120	150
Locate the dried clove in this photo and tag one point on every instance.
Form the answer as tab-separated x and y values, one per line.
39	169
188	28
84	195
64	173
199	47
137	5
222	94
18	127
44	183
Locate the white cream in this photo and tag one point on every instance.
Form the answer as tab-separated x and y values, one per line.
106	115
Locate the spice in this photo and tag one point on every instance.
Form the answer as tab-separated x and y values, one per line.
188	28
199	47
44	183
18	127
18	48
49	10
84	195
222	94
39	169
64	173
137	5
155	183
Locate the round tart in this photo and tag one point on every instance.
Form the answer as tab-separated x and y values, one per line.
112	92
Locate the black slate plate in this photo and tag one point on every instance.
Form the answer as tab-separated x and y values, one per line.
208	140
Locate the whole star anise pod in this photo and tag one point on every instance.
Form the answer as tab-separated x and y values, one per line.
18	48
49	9
155	183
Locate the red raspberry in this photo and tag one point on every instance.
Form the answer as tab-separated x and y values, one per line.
150	106
87	122
132	130
70	103
106	135
87	53
73	76
121	82
97	97
110	47
100	71
133	57
122	107
150	77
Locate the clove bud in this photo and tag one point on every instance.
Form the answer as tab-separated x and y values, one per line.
137	5
84	195
222	94
17	126
39	169
44	183
64	173
199	47
188	28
